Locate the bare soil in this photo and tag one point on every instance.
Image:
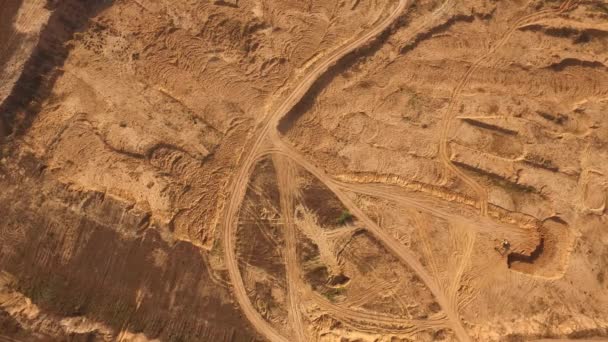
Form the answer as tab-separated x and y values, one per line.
324	170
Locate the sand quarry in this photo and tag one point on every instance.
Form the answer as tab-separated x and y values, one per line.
289	170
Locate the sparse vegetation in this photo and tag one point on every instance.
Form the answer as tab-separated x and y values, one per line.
334	292
414	101
344	217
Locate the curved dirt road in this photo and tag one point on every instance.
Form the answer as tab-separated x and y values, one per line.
242	178
267	133
392	244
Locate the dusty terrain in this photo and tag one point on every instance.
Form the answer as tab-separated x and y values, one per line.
320	170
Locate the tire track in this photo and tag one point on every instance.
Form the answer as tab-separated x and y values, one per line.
374	288
449	114
375	320
422	228
33	7
393	245
446	297
463	263
241	179
286	174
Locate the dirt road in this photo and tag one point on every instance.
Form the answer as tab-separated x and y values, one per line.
392	244
286	173
267	134
242	177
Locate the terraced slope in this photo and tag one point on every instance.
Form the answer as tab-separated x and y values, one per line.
324	170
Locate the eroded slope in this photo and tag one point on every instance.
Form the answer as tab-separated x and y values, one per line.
340	170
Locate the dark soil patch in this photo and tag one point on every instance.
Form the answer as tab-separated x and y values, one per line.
9	327
324	203
76	264
9	38
260	239
339	280
308	253
41	70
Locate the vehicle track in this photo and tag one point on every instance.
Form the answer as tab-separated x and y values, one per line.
469	243
237	191
392	244
286	174
446	301
453	102
446	297
429	22
377	320
422	228
372	289
391	193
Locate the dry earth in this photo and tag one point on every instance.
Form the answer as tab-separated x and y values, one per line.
288	170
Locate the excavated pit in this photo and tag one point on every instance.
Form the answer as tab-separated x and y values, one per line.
549	258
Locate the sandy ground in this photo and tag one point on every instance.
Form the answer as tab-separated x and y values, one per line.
324	170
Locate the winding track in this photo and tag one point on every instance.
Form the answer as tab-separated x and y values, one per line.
375	318
288	188
456	94
242	177
269	126
392	244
